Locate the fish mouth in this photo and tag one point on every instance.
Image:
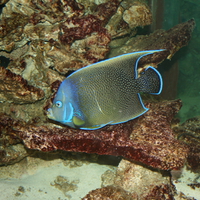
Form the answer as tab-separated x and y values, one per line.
50	114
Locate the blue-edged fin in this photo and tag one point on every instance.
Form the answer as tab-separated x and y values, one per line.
95	126
150	81
138	108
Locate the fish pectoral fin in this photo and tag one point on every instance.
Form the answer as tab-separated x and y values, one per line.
78	121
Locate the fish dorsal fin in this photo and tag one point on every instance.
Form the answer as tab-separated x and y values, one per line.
131	59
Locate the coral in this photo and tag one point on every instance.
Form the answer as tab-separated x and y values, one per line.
45	40
148	139
133	177
113	192
13	88
136	182
161	192
63	184
66	35
3	1
77	28
10	149
12	154
50	30
109	192
189	133
171	40
138	15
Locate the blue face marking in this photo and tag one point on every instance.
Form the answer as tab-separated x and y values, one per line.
68	113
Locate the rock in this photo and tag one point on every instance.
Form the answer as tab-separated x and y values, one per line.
15	89
148	139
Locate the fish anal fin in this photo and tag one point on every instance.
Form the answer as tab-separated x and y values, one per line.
137	106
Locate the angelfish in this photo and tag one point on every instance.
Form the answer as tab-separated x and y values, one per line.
107	92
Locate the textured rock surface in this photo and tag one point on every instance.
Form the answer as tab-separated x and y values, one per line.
42	38
68	35
138	15
11	151
141	181
12	154
44	41
3	1
63	34
189	133
171	40
148	139
109	192
13	88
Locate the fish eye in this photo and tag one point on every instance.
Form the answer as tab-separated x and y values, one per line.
58	104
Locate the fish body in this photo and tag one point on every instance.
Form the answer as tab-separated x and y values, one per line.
107	92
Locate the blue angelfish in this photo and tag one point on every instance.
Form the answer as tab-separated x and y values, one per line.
104	93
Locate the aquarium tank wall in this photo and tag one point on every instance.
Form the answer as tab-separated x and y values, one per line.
181	73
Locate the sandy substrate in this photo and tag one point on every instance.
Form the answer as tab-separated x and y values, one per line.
50	180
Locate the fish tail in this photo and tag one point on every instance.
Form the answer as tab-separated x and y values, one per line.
151	81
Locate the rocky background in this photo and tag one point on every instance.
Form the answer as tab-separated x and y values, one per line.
42	42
